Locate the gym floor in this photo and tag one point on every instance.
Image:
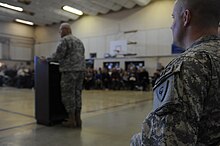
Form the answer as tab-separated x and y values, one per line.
110	118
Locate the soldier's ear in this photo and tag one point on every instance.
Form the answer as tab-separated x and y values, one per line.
186	17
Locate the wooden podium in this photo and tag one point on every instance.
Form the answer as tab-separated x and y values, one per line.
49	109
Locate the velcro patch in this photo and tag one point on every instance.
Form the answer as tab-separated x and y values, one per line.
163	92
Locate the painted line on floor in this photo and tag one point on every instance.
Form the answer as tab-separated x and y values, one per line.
90	111
116	106
19	126
17	113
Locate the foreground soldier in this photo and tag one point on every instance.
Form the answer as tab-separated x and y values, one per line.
187	94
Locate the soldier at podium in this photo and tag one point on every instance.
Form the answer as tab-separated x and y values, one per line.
70	55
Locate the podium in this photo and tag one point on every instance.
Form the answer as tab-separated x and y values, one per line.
49	109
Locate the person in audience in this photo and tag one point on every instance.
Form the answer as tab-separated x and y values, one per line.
144	79
186	106
98	79
20	77
89	80
115	79
132	79
106	79
125	81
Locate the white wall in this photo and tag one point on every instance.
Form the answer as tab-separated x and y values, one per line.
16	29
152	23
150	26
20	41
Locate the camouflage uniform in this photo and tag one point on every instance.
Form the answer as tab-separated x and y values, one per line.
186	100
70	55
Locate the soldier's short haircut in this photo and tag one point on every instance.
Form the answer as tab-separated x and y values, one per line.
204	12
67	26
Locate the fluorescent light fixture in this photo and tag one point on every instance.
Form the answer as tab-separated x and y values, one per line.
72	10
11	7
24	21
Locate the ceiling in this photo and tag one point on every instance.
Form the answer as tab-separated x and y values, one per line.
47	12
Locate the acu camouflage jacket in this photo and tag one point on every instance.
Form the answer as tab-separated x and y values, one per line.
186	100
70	54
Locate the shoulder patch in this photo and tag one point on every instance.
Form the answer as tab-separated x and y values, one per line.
164	86
163	93
162	90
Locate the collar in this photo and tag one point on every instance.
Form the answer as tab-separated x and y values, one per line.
204	39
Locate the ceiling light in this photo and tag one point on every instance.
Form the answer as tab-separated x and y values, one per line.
72	10
24	21
11	7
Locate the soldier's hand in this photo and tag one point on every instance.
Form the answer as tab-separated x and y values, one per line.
43	58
